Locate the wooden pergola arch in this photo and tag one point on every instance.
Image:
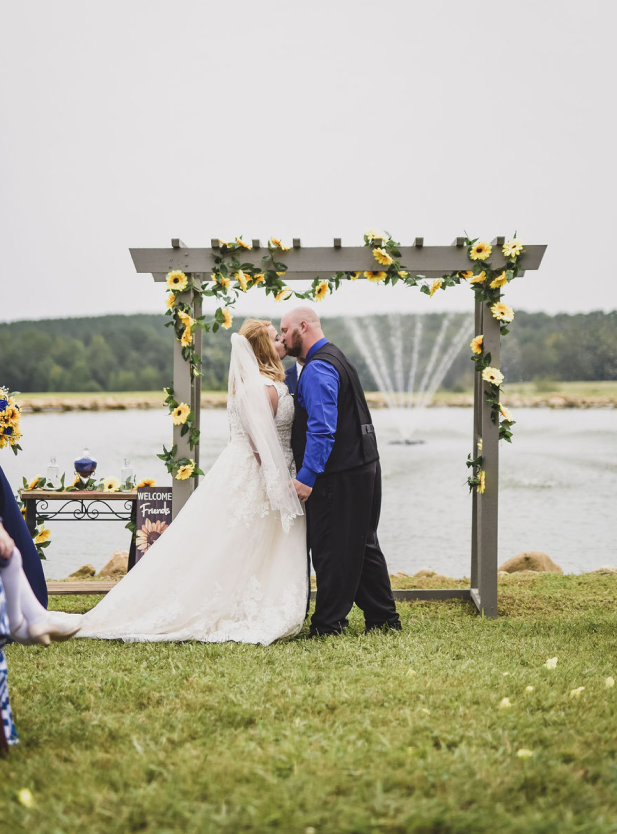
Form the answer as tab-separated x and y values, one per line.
307	263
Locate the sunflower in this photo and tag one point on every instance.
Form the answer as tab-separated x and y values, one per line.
11	415
482	484
242	278
259	278
34	482
221	281
476	344
505	413
148	533
500	281
77	481
186	339
23	513
177	280
180	414
186	320
42	536
382	257
492	375
223	244
170	301
278	244
479	444
15	437
375	234
480	251
111	485
185	471
375	277
402	273
466	274
283	295
512	248
240	242
502	312
479	279
147	482
228	318
321	291
4	441
437	283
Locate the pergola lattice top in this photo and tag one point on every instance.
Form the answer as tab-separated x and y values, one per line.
323	261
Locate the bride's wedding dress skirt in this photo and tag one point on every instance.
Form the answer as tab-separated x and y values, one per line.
224	570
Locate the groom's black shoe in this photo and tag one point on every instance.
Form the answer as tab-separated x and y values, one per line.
317	632
393	625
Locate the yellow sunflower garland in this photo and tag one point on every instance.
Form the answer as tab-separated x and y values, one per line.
232	274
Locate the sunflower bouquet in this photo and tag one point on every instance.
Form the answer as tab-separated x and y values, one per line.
10	414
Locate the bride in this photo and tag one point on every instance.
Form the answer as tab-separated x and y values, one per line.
233	564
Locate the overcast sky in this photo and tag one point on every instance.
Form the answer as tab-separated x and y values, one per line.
128	123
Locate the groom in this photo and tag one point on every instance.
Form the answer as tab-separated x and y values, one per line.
339	479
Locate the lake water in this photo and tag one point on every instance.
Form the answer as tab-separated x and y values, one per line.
558	483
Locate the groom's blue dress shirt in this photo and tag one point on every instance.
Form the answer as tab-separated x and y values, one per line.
317	393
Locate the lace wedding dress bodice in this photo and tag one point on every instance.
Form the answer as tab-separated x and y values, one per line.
283	420
228	568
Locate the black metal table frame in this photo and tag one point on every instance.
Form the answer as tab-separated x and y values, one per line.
85	510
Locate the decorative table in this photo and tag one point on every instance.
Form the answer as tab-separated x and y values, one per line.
81	505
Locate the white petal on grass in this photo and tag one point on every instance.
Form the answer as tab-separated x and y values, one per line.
505	703
576	693
529	688
524	753
551	663
608	682
25	797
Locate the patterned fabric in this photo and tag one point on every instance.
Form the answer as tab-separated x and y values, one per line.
8	726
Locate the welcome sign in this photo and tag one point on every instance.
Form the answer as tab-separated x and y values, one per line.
153	516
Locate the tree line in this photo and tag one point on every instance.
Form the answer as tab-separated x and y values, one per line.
134	353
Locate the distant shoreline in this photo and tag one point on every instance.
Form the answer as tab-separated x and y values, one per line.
522	395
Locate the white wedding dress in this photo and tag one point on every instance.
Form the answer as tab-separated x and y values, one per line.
233	564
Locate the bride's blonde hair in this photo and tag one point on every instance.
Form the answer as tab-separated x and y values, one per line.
256	331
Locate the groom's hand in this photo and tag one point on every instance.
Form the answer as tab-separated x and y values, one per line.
302	490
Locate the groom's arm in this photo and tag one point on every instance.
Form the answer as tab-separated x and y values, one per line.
319	397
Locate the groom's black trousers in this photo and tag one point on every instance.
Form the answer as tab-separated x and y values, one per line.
342	517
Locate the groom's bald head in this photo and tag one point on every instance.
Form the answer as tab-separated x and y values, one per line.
300	329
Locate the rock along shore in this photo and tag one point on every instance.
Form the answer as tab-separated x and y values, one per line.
218	399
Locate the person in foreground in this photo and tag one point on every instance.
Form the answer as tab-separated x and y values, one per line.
23	619
232	565
339	480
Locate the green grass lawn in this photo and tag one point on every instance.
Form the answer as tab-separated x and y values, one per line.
377	733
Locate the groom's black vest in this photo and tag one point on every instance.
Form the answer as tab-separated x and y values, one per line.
354	440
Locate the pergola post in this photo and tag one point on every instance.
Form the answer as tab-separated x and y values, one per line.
184	392
485	505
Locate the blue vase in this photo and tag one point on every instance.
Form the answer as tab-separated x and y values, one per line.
85	466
